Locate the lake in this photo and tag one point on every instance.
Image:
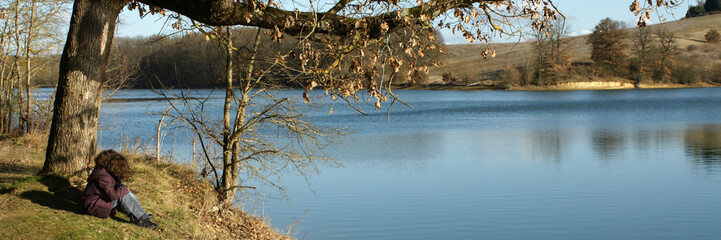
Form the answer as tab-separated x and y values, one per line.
628	164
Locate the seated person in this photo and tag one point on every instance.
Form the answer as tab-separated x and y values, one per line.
105	190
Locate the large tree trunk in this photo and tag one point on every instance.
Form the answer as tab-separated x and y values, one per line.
73	132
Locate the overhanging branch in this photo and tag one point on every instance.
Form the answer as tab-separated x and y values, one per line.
295	23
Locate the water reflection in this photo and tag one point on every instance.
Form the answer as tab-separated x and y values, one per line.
547	144
700	143
394	150
703	146
607	143
655	139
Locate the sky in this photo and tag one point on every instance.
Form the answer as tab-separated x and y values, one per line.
582	15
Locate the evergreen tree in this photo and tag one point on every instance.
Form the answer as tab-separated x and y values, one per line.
712	5
694	11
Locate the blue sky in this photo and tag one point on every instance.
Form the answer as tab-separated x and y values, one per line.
582	15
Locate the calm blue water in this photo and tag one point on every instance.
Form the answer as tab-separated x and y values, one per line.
631	164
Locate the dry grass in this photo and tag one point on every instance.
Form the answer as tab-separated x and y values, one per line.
466	63
49	207
19	157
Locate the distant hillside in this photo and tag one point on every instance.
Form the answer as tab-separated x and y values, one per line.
465	63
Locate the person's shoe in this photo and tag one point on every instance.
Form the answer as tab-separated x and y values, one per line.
145	222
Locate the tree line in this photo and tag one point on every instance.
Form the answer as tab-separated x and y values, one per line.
703	7
655	56
643	55
190	60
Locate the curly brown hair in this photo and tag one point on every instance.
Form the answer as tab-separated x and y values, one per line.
114	163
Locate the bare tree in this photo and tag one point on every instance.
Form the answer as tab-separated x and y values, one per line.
28	73
120	72
250	109
666	51
552	58
6	73
16	63
540	44
666	39
559	55
642	47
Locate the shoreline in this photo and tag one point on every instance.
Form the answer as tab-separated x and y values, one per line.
570	86
567	86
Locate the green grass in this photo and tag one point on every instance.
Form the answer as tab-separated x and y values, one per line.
50	207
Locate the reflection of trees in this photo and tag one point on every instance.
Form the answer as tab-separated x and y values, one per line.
654	139
547	144
607	143
703	143
405	149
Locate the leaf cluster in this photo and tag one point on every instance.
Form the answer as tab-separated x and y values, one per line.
643	9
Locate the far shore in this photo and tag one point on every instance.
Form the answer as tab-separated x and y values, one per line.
569	86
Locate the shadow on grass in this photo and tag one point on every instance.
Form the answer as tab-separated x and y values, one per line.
60	195
120	218
5	190
12	172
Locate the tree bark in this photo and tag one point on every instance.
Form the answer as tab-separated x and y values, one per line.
228	180
73	133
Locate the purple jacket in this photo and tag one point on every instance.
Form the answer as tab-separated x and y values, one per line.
100	193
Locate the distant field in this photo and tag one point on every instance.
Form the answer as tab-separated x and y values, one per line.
465	62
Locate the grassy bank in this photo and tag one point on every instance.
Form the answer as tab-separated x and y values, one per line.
50	207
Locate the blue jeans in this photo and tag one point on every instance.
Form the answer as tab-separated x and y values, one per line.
131	205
